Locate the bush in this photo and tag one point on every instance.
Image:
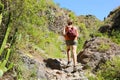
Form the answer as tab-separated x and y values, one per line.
103	47
1	7
111	70
115	36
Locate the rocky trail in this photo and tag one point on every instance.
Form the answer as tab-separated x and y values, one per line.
96	51
59	70
49	69
91	56
56	69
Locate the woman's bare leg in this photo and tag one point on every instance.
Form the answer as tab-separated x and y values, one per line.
74	48
68	53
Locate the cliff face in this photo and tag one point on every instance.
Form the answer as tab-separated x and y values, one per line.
112	22
115	18
57	18
97	51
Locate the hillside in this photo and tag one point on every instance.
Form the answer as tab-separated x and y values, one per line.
112	25
32	46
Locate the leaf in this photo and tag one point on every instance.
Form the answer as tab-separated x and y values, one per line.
10	66
4	69
1	73
3	64
8	54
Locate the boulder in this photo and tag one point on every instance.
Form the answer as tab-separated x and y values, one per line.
97	51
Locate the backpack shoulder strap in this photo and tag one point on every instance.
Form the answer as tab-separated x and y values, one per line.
74	27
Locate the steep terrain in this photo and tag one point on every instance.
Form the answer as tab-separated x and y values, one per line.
97	51
112	22
38	48
114	18
90	21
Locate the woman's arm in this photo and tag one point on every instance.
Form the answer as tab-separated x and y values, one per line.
76	31
64	33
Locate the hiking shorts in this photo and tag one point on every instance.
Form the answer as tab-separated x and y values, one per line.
71	42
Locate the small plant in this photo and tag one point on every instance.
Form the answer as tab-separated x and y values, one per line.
96	34
6	52
115	36
103	47
23	71
3	63
110	70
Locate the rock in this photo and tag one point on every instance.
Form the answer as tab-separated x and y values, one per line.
62	72
97	51
112	22
53	63
69	69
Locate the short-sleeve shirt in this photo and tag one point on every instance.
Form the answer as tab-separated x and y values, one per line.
66	37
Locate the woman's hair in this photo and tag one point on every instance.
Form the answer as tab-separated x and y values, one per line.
69	22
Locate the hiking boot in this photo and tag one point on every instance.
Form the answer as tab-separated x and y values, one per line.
69	63
74	69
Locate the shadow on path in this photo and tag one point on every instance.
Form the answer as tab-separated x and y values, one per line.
53	63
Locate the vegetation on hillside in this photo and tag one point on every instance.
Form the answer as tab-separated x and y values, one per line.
108	71
28	26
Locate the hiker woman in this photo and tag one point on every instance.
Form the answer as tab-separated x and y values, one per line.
70	33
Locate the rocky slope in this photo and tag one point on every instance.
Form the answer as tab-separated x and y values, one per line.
57	18
46	69
114	17
112	22
90	21
97	51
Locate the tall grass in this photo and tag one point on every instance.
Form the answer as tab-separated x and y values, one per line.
43	39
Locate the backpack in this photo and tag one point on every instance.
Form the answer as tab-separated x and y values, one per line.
71	33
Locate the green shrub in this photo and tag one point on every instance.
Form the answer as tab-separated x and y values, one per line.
81	42
73	17
83	31
115	36
83	36
1	7
97	34
110	70
43	39
103	47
